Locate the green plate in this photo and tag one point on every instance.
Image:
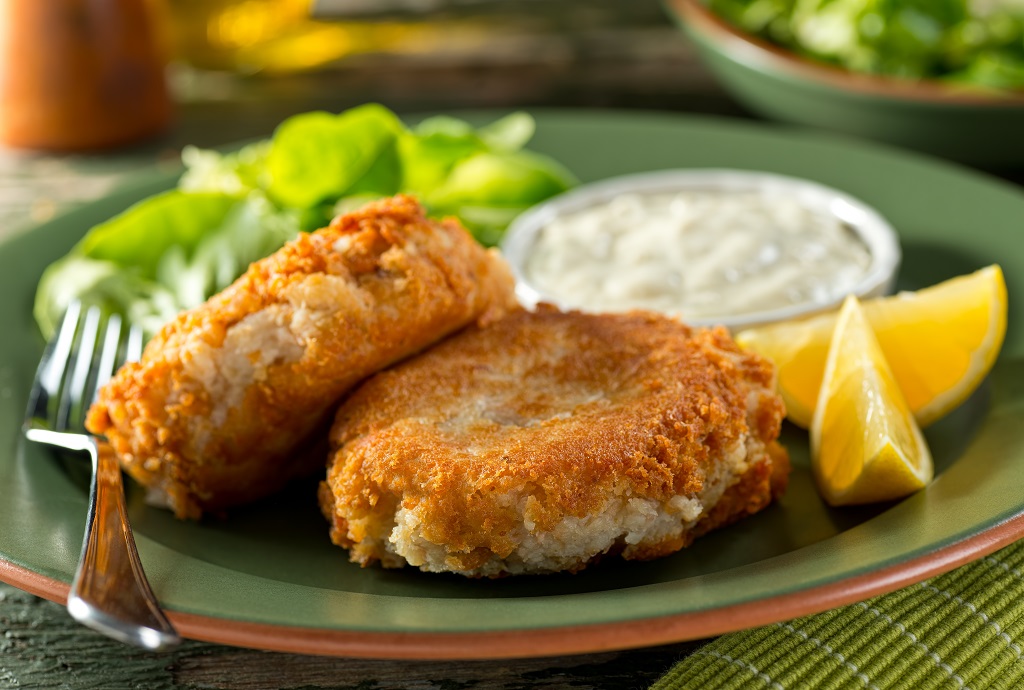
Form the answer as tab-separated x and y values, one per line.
267	576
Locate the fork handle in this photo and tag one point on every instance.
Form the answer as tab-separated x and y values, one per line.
110	592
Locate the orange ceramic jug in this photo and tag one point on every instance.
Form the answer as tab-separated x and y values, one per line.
79	74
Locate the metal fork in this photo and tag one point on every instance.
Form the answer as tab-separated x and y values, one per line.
110	592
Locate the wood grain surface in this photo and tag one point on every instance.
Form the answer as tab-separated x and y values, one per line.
43	648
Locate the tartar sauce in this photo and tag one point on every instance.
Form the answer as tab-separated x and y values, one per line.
700	253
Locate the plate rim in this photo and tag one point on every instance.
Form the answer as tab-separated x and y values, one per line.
563	640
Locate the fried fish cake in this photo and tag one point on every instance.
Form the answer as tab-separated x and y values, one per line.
218	408
548	439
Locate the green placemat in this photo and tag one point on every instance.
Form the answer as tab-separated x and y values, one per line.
964	629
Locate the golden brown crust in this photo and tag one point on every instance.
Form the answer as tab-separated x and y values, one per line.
213	413
541	417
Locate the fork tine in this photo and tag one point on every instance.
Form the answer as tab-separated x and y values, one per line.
53	370
134	351
76	396
50	372
108	353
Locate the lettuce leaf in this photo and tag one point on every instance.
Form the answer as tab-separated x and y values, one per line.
140	236
318	156
104	284
165	254
501	179
971	43
174	250
487	190
429	152
236	173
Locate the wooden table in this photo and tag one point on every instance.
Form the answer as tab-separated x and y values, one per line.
43	648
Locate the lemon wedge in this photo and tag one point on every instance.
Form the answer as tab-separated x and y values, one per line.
865	444
940	343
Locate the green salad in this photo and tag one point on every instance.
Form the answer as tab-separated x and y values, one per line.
172	251
973	43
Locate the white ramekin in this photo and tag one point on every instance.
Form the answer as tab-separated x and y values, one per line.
872	229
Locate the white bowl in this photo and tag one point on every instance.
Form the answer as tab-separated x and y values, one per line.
871	228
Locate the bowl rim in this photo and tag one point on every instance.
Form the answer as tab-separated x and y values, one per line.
755	52
870	226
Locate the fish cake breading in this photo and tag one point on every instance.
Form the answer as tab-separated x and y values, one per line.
216	412
547	440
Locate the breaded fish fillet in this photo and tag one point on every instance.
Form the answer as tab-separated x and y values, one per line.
216	411
545	440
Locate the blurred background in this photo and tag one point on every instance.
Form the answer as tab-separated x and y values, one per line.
124	83
88	79
434	54
442	53
271	58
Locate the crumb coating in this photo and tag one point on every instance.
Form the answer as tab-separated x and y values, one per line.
549	439
219	408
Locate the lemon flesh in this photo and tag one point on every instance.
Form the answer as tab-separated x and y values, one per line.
940	343
865	444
